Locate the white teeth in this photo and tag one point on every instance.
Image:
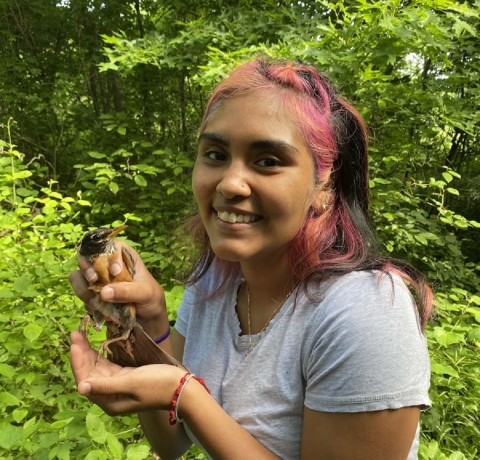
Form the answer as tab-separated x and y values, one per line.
233	218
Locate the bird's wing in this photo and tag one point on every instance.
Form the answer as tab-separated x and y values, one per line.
145	351
128	261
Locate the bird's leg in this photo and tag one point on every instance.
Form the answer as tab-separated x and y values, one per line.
84	323
123	338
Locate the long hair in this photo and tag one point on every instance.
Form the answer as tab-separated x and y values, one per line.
336	237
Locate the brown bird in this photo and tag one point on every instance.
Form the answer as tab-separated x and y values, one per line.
127	343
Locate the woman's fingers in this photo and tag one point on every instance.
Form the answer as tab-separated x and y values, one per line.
139	292
144	291
80	356
80	287
87	269
116	262
86	364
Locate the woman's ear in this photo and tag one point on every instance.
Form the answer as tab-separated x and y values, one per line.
323	198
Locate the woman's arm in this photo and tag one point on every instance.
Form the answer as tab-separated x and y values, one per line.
149	390
360	436
149	298
168	441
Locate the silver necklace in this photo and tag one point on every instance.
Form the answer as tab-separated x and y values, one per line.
251	343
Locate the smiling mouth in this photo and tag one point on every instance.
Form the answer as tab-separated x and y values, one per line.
233	218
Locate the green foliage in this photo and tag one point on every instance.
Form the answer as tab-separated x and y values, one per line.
108	97
42	416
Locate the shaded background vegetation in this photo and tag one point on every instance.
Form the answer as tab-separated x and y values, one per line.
99	105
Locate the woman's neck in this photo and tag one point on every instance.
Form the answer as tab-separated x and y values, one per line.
268	282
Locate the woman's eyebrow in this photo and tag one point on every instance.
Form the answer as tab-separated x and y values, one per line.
273	144
206	136
261	144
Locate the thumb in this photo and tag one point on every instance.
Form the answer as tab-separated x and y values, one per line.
102	386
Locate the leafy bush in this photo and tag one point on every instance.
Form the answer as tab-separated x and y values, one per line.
113	122
42	415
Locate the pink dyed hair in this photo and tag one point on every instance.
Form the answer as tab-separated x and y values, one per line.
337	238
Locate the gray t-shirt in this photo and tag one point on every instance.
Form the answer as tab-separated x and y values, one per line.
357	348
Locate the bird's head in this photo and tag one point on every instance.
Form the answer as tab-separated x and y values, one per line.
99	241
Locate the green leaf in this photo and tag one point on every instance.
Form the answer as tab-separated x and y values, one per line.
443	369
379	180
421	239
96	455
122	130
475	299
21	284
7	370
114	445
6	294
447	338
10	436
32	331
447	176
140	180
453	191
61	423
19	414
22	174
474	334
62	452
97	155
113	186
7	399
137	452
96	428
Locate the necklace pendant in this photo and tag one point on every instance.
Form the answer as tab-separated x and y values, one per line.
250	347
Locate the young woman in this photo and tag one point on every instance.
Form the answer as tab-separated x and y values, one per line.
310	343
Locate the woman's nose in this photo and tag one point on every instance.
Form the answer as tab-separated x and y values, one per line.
234	182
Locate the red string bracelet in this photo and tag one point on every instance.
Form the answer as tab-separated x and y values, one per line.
173	412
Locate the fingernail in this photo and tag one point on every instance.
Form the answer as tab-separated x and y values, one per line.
115	269
84	388
107	293
90	274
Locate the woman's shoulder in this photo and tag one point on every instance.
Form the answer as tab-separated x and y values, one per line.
365	284
362	298
365	347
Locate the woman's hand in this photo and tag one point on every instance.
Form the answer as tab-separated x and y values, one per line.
144	291
121	390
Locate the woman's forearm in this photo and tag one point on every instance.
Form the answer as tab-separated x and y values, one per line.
169	442
219	434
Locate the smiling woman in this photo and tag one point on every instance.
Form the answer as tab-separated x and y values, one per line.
309	341
253	161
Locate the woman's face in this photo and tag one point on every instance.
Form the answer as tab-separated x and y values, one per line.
253	179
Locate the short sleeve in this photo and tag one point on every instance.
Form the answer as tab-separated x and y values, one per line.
184	311
366	349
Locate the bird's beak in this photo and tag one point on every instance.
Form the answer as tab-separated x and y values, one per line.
116	231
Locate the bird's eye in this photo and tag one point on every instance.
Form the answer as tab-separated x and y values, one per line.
96	237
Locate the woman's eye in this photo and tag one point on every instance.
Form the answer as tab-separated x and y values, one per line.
268	162
215	156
